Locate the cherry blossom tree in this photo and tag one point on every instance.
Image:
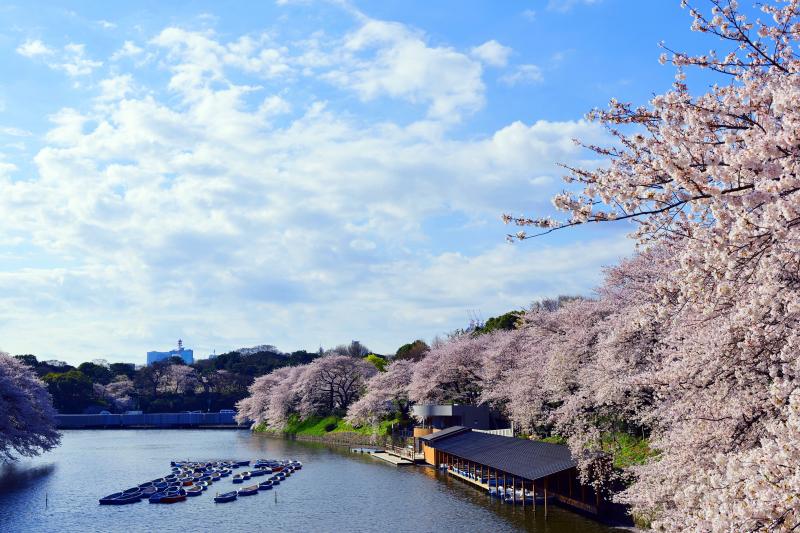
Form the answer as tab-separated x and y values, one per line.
272	398
27	417
749	484
180	379
715	177
119	393
330	384
386	392
450	372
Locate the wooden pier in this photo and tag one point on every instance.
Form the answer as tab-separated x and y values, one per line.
484	486
391	458
384	455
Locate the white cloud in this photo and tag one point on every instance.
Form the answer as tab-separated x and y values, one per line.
71	59
164	214
492	53
388	58
106	25
129	49
564	6
362	245
14	132
33	48
529	15
523	74
6	168
378	59
74	61
199	59
116	88
274	105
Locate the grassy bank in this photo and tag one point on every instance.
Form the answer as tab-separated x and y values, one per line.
317	426
628	450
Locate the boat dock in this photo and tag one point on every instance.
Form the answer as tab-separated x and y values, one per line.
384	455
396	460
477	483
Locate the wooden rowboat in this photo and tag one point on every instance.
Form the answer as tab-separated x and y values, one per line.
119	498
173	498
227	497
248	491
194	491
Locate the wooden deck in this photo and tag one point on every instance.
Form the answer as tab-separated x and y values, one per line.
391	458
484	486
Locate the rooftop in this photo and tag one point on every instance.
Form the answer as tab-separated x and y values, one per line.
449	432
528	459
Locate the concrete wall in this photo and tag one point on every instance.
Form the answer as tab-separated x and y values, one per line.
444	416
428	410
473	416
165	420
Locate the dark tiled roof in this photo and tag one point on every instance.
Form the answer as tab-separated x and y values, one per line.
444	433
520	457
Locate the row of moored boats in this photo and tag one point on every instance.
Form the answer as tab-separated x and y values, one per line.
496	489
189	479
273	471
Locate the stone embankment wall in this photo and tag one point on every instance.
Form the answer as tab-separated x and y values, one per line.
151	420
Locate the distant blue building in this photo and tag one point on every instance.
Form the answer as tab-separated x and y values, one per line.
184	353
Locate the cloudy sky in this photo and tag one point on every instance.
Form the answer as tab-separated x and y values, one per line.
299	173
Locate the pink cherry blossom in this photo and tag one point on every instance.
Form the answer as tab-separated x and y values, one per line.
27	417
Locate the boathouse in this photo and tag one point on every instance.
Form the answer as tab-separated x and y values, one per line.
533	470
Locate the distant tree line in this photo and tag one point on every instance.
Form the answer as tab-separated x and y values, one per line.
337	381
165	386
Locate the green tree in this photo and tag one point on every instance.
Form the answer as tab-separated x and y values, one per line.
148	379
28	359
413	351
96	373
507	321
122	369
377	360
72	391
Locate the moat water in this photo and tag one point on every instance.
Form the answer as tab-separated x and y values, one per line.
335	491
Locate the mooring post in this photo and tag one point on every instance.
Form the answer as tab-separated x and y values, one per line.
545	498
513	490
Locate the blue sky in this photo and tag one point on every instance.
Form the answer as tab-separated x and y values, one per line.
299	173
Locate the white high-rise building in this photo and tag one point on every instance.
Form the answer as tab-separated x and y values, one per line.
184	353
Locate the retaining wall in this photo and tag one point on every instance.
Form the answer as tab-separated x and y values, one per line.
151	420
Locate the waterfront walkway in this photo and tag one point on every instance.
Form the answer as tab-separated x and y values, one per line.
393	459
384	455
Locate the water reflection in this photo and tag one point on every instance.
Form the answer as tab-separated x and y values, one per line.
16	477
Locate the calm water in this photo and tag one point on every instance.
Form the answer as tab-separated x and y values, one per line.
335	490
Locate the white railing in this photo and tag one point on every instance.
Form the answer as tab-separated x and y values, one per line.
507	432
